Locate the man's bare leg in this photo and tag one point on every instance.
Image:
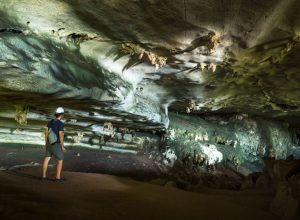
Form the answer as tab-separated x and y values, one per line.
58	169
45	166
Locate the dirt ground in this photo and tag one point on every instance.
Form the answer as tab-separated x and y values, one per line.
139	167
99	196
88	194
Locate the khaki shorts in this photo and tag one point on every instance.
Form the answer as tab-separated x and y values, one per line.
55	151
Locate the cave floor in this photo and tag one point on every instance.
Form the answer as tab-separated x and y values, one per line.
137	166
100	196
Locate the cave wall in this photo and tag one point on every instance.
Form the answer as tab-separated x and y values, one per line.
237	140
79	133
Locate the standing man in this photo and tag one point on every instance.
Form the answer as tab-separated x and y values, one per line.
56	149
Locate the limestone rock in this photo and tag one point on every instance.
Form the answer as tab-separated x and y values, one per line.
247	184
284	205
262	182
171	184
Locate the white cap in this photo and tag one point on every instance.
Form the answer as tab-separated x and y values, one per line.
59	110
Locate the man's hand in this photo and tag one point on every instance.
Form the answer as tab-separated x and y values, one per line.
63	148
61	138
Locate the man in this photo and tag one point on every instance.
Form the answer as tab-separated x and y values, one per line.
56	150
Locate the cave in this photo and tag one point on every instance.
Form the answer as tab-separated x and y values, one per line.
172	109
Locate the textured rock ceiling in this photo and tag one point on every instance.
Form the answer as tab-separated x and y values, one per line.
106	59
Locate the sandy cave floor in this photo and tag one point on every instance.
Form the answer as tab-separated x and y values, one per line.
139	166
99	196
88	194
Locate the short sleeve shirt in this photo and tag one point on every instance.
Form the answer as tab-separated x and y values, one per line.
56	126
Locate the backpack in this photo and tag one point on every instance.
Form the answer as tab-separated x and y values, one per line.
52	137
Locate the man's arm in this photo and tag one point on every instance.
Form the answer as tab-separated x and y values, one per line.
46	135
61	139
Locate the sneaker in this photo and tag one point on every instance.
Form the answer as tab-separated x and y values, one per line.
60	180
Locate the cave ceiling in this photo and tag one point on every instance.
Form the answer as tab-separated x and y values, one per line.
130	62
